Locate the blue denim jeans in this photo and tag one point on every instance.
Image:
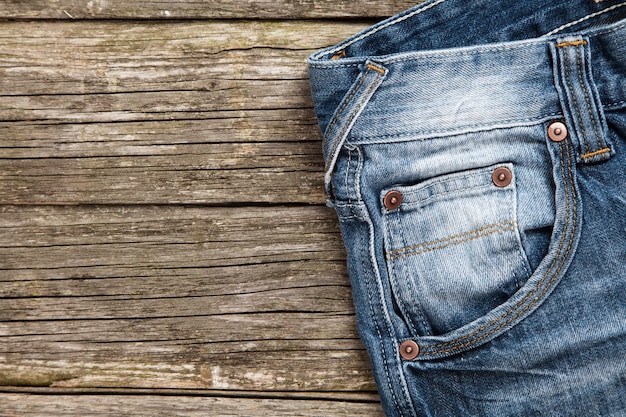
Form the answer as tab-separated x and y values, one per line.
476	157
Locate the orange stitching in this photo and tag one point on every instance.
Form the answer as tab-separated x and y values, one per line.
338	55
592	154
411	248
528	306
576	109
375	68
573	43
582	86
452	243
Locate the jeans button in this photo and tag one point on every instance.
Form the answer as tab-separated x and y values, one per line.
409	350
501	177
392	200
557	131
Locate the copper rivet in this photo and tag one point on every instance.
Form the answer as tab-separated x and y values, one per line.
393	200
502	176
557	131
409	350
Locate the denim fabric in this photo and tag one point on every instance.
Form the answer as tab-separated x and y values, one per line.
512	286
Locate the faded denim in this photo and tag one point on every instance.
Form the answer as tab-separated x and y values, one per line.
513	292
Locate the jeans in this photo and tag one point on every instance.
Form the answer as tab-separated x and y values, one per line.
476	157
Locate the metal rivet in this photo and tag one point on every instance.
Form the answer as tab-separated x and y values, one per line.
393	200
557	131
501	176
409	350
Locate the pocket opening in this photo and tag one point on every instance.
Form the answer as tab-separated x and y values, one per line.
453	248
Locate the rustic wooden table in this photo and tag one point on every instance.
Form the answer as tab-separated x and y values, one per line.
164	245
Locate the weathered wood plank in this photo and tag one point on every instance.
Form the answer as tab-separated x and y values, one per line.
237	63
34	405
43	139
101	9
165	237
363	396
177	297
63	84
276	172
245	363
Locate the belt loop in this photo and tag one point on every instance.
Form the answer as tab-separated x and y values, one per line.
579	99
371	77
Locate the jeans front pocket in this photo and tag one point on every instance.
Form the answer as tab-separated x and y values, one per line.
453	247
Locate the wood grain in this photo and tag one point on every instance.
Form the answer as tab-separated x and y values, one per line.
212	59
177	297
163	245
33	405
199	9
116	113
280	172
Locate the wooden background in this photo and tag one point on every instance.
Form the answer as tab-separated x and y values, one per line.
164	245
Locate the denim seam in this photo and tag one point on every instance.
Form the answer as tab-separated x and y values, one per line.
349	217
347	189
617	105
575	106
589	16
521	252
403	252
373	315
357	174
487	127
452	243
424	55
379	28
395	218
584	88
343	107
445	54
480	172
373	86
330	65
549	284
401	305
405	311
454	192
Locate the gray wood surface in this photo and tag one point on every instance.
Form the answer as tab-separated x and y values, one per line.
210	112
164	244
32	405
195	9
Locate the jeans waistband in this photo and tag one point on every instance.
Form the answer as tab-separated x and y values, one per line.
447	66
